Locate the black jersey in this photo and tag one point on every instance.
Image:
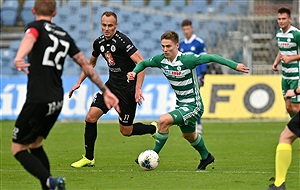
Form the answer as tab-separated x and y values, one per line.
46	61
117	52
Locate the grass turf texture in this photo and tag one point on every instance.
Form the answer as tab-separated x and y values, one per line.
244	155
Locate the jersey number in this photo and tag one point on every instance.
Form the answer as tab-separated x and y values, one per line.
61	54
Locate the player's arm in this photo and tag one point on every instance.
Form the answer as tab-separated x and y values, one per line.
276	61
24	49
82	77
141	66
110	99
207	58
137	58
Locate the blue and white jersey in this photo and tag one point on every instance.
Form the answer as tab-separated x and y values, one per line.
194	45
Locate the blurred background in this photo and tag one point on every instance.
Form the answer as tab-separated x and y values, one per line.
242	30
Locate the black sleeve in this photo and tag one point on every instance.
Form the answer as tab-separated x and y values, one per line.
96	49
73	50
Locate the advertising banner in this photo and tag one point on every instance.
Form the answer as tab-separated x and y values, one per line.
224	97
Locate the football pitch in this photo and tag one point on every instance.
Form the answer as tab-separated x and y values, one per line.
244	155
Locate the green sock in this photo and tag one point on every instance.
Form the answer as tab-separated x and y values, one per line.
161	139
199	145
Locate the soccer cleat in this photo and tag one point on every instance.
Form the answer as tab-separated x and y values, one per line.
203	163
83	162
155	125
56	183
273	187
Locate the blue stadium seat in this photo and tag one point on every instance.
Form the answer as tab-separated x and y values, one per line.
157	5
9	13
26	13
134	3
14	45
6	61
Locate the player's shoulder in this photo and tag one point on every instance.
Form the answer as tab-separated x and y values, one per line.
121	36
99	39
199	40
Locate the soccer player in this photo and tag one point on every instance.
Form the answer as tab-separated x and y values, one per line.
196	45
121	56
284	148
46	45
180	70
288	39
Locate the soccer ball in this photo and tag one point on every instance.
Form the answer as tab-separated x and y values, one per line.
148	160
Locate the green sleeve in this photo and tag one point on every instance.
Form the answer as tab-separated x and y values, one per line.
206	58
152	62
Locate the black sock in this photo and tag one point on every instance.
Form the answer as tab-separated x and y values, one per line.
41	154
141	129
34	166
90	136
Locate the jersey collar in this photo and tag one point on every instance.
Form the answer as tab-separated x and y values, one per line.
193	37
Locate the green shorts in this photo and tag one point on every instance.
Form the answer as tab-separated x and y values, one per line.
186	117
287	84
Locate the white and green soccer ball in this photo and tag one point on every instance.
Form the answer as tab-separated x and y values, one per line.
148	160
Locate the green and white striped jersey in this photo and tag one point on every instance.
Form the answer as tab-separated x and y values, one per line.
181	74
289	44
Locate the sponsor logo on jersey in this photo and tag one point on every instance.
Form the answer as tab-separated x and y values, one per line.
284	44
109	59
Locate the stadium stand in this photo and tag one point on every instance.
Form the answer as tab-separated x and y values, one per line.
224	25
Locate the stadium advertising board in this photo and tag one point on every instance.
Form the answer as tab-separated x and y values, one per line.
224	96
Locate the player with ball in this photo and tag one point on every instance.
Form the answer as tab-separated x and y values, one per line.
180	71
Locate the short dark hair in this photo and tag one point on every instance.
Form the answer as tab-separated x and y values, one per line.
186	22
284	10
110	13
45	7
170	35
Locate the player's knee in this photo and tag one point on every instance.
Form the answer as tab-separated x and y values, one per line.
91	118
287	136
164	123
191	137
126	130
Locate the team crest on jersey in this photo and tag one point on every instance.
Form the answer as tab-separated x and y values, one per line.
109	59
113	48
178	68
288	40
102	48
193	48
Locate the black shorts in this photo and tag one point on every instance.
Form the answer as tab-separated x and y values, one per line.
294	124
35	119
127	104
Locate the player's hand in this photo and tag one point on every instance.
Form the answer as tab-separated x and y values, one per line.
274	67
111	100
131	75
139	96
242	68
75	87
285	59
289	94
21	65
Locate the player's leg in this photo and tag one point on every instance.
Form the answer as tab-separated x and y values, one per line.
164	123
284	149
97	109
199	128
127	106
28	133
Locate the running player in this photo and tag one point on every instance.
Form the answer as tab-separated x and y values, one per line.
180	70
46	45
288	39
121	56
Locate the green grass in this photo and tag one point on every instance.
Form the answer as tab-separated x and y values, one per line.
244	155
